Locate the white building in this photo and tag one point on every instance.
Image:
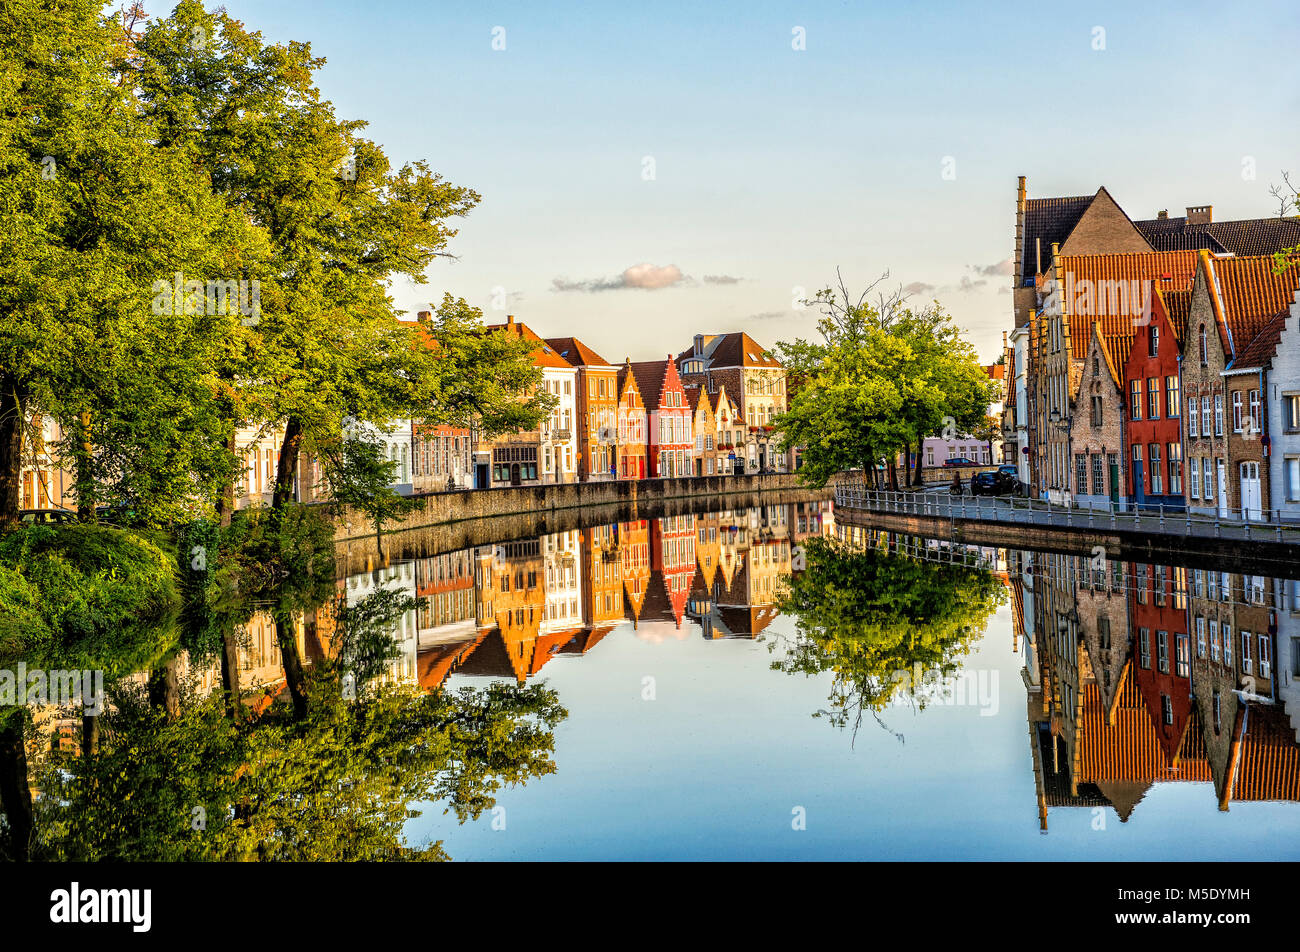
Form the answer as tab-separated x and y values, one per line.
258	449
1283	424
560	429
397	448
1018	444
406	631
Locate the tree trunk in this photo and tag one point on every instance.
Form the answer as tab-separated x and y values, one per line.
226	504
89	734
292	661
288	465
893	473
230	673
84	477
12	410
15	794
165	688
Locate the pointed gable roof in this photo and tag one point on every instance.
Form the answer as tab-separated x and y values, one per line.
651	376
1078	275
1071	223
1251	293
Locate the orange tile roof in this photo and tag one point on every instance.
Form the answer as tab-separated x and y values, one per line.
576	352
1252	293
543	355
1140	268
1269	765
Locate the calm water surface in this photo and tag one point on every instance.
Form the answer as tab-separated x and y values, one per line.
1060	738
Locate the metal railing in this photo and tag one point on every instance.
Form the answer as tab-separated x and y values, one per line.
1242	524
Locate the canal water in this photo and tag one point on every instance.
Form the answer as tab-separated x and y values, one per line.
763	684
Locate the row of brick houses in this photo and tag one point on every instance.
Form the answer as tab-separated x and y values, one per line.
1154	363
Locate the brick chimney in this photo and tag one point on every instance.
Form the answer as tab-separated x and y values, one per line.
1162	214
1200	214
510	323
699	344
424	315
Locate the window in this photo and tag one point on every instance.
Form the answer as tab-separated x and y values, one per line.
1103	632
1292	468
1192	418
1153	341
1291	411
1156	483
1214	640
1080	473
1208	474
1254	412
1200	636
1153	398
1096	365
1176	468
1205	416
1194	477
1158	582
1096	411
1204	348
1218	414
1245	652
1166	709
1227	644
1236	411
1162	651
1135	400
1173	396
1225	586
1218	719
1098	480
1144	646
1183	657
1265	656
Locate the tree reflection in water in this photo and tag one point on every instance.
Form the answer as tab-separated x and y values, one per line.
874	617
323	767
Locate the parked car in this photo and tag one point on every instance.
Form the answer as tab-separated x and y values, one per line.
31	516
959	461
1011	469
993	483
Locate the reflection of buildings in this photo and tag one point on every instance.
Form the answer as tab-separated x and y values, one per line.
634	564
398	578
1138	668
672	559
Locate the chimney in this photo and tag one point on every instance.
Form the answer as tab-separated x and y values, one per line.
699	344
1162	214
1020	194
510	323
1200	214
424	315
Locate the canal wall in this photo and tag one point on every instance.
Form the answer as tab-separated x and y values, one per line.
451	520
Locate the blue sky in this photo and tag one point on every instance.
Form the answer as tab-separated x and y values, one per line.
774	166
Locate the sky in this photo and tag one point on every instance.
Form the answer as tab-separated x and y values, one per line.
653	171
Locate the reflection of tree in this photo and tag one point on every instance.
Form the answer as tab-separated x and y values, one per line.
336	784
875	618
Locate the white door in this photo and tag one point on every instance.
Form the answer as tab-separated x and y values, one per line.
1223	489
1250	491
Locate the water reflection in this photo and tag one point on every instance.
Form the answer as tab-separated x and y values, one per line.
429	685
1142	674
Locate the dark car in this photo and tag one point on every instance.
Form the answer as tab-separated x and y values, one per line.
993	483
47	516
1011	469
959	461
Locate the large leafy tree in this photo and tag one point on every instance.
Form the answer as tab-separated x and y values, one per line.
97	207
882	378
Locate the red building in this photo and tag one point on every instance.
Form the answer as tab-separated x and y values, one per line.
1153	401
672	554
668	415
1162	656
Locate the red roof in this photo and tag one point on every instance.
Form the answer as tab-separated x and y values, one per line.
576	352
544	354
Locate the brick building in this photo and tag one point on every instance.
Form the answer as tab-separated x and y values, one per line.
596	408
633	429
442	458
668	418
1153	417
756	384
1097	425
